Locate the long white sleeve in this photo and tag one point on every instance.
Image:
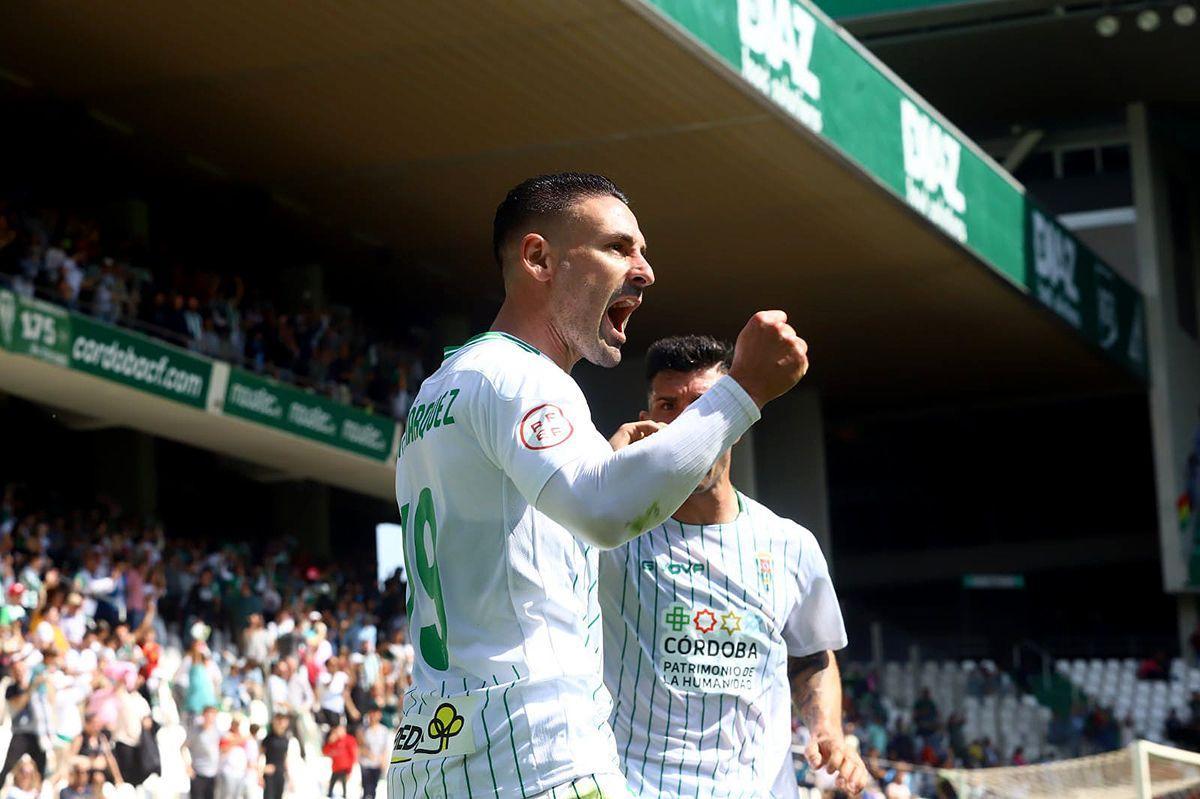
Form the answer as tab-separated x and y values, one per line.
606	498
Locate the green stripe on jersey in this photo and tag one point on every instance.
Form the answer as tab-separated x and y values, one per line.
653	674
687	697
720	697
442	764
466	771
512	732
487	697
637	677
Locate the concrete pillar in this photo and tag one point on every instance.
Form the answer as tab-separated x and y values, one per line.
1174	355
789	459
301	509
1187	619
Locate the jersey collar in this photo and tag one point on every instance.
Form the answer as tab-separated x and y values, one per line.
491	335
742	510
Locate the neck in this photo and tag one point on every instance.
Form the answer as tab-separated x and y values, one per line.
533	327
718	505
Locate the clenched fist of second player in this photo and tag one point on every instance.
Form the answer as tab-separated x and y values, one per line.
633	431
769	358
829	752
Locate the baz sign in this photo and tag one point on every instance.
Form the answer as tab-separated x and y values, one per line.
820	77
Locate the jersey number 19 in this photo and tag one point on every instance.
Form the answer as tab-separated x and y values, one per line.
432	638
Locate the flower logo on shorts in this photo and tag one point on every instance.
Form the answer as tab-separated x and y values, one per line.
445	724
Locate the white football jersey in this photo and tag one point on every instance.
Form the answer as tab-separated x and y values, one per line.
507	698
698	625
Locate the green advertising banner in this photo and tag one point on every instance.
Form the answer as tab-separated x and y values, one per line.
139	362
53	334
35	328
840	9
823	79
1071	280
294	411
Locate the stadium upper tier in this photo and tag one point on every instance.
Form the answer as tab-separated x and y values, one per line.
69	258
771	160
103	375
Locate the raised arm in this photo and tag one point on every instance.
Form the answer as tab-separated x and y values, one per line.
607	498
147	621
111	759
548	446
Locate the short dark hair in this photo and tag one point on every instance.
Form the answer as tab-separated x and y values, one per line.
543	197
687	354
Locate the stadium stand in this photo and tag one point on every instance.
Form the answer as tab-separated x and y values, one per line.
965	728
1161	708
947	712
65	257
115	638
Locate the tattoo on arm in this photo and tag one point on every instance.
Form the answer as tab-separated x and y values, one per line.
813	662
807	675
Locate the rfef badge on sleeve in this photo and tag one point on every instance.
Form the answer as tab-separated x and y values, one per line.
544	427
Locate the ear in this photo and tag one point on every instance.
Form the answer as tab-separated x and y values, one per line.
533	257
643	416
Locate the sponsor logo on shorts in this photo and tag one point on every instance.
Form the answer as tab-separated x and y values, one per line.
545	426
448	731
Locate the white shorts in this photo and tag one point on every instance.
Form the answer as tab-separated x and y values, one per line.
594	786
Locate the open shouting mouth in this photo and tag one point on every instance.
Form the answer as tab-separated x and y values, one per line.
617	317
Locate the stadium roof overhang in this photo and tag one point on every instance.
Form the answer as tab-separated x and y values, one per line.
1036	62
266	453
406	122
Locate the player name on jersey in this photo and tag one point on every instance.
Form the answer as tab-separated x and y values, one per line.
430	416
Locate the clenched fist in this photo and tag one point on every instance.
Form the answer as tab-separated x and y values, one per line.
769	358
633	431
829	752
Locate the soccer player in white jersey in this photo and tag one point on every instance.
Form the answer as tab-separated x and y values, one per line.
506	492
700	615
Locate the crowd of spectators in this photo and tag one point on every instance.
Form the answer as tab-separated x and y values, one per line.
1089	728
111	630
65	258
1184	730
903	756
